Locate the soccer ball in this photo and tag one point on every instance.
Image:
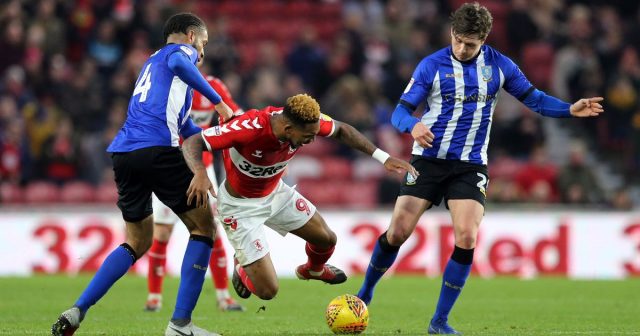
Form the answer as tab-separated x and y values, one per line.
347	314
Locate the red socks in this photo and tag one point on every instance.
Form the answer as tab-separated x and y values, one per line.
317	256
157	261
218	264
245	280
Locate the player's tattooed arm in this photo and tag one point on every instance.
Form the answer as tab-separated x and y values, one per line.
192	148
350	136
200	183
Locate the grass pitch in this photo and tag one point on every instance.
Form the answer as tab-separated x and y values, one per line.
402	306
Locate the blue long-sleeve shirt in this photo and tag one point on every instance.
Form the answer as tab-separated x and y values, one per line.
158	112
460	100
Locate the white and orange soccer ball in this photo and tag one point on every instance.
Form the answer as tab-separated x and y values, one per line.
347	314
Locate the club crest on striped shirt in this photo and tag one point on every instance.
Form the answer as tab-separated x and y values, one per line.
410	179
486	72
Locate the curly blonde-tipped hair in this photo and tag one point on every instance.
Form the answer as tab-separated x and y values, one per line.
302	109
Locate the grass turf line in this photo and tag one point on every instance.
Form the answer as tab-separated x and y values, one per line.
402	306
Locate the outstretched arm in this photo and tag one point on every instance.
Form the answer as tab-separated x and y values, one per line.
587	107
349	136
192	151
182	67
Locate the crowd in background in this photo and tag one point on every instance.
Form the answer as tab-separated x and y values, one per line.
67	70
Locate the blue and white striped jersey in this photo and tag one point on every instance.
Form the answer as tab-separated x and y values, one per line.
159	108
460	100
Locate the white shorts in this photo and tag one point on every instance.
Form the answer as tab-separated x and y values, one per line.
162	214
243	219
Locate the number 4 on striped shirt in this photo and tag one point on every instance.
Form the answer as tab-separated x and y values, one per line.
143	85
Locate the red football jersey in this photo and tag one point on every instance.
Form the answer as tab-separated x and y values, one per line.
254	158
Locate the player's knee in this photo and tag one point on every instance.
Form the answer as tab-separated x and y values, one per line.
140	245
400	230
466	239
331	239
398	235
267	292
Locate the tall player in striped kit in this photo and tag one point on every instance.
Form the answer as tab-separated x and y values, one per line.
203	114
460	86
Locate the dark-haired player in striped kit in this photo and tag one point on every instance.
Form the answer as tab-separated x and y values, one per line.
460	86
146	158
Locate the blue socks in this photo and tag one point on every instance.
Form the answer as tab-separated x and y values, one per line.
382	258
453	279
194	268
112	269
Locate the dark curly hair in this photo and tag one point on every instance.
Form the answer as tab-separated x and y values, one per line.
181	23
472	19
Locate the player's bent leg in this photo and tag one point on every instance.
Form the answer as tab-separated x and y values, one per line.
258	277
466	215
219	275
321	242
199	221
113	268
406	213
157	262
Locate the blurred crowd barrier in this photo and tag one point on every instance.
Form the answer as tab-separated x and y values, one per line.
522	244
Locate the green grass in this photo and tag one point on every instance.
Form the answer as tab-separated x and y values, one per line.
503	306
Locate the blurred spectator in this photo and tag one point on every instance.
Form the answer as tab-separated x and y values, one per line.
537	178
576	65
308	61
11	152
78	61
47	20
104	48
60	159
576	182
621	200
11	44
520	26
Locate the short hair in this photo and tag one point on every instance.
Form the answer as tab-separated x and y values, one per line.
302	109
472	19
181	23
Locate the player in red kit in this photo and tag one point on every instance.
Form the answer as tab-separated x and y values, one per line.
257	147
202	113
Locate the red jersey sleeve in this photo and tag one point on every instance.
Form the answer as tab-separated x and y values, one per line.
327	126
240	130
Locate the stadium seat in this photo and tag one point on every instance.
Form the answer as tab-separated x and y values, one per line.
260	9
320	191
303	166
359	194
107	193
336	168
329	10
319	148
537	63
41	192
299	9
11	193
77	192
366	168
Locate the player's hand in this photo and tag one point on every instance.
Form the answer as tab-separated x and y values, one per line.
422	134
224	110
198	188
400	166
587	107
